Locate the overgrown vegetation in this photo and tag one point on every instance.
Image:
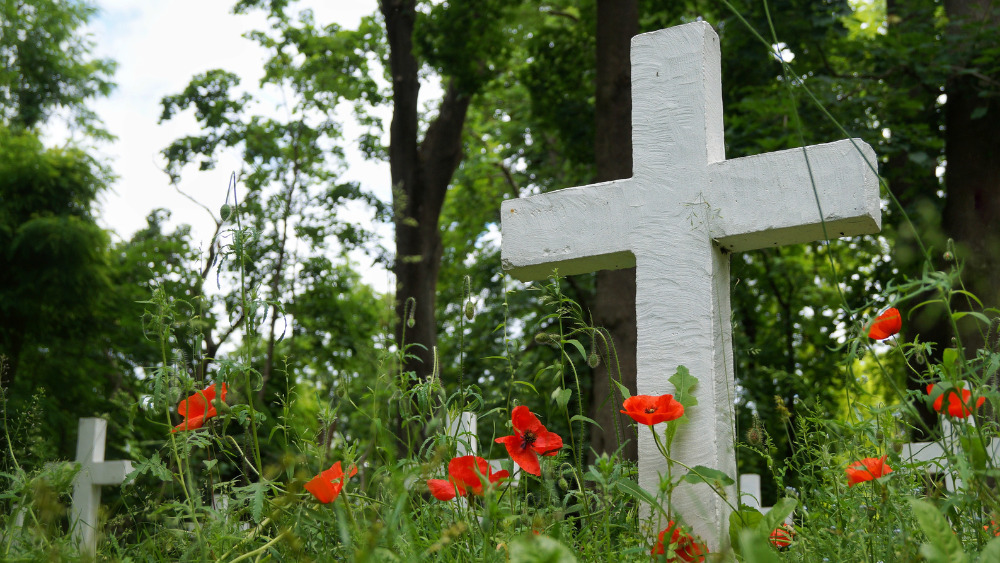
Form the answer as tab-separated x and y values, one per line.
132	330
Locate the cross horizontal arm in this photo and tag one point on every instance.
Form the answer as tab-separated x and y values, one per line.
768	200
110	472
574	231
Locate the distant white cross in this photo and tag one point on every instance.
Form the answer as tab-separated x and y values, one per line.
94	472
932	457
677	219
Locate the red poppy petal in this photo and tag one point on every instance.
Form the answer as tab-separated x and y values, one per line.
322	489
333	474
499	475
441	489
525	459
641	417
887	324
190	423
463	470
524	420
547	443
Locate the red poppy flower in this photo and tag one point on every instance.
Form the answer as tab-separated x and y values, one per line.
649	410
886	324
464	476
960	407
866	470
198	408
327	485
681	544
992	528
530	440
782	537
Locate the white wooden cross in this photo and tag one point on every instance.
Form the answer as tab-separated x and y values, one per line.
933	458
94	472
677	219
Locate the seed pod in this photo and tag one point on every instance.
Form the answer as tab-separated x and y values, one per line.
593	360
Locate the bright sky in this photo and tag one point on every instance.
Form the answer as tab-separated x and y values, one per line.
159	47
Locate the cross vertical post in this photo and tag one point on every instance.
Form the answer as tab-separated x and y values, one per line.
677	220
94	472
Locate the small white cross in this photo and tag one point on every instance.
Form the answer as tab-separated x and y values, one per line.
94	472
676	220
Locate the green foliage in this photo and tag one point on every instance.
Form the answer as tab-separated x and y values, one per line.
45	57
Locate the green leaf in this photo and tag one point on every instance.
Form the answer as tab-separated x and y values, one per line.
622	388
978	113
151	465
638	493
585	419
526	384
561	396
746	518
942	545
540	549
777	514
755	548
683	382
579	347
990	553
713	477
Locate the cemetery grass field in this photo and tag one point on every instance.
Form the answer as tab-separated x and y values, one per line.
409	487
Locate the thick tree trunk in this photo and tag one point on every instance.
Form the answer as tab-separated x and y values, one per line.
614	305
915	186
972	176
421	172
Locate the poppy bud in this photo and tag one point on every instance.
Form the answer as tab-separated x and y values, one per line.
470	310
563	483
542	338
754	437
410	321
226	211
593	360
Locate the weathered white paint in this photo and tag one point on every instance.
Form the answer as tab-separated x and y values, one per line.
94	472
684	203
465	430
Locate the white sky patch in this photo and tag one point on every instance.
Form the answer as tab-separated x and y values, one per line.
159	47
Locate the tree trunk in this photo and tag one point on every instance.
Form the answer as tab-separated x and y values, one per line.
421	172
915	186
972	175
614	304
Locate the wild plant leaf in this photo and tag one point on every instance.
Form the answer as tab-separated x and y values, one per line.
526	384
990	553
683	383
755	548
561	397
585	419
777	514
579	347
151	465
942	545
540	549
622	388
746	518
713	477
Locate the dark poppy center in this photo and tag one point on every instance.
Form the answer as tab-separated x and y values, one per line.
528	439
650	410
